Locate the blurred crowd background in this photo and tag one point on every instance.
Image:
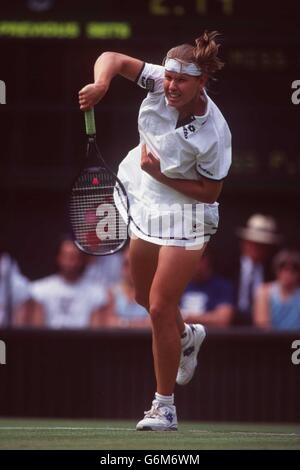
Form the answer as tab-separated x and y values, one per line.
250	274
97	292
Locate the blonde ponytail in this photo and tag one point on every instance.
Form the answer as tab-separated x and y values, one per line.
206	53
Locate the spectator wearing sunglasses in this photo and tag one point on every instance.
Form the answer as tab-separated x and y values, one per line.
277	304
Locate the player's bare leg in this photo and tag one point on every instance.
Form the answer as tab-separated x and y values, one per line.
143	264
166	290
168	285
153	269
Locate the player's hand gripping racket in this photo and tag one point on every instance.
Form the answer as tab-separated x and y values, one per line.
98	228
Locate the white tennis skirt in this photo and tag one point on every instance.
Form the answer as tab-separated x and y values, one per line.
159	214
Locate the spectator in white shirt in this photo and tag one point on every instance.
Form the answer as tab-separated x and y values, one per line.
67	299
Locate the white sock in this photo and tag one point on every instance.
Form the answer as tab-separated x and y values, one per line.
186	335
165	399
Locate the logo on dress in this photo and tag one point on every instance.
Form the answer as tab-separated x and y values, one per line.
148	83
188	130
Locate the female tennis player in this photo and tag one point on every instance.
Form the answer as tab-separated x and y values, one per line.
173	179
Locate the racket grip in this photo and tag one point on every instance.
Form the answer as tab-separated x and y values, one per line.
89	118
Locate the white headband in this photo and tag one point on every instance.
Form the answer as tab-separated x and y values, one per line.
174	65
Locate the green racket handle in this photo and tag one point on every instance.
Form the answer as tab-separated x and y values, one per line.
90	126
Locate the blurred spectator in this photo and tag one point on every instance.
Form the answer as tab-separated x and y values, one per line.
277	304
208	299
125	311
67	299
14	292
258	241
104	269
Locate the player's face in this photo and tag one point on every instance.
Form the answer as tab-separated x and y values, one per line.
182	90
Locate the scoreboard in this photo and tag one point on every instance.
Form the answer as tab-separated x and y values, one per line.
47	51
217	10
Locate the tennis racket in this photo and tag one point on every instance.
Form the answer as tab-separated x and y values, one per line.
96	223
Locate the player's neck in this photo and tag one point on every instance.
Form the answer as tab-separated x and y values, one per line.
201	105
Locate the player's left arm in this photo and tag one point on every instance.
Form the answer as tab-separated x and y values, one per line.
204	190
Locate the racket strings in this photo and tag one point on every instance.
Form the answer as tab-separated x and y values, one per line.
97	225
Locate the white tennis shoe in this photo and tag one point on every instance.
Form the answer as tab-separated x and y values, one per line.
188	359
160	418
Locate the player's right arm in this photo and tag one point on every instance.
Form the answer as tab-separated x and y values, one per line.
107	66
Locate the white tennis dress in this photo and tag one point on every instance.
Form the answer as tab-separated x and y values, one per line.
201	148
